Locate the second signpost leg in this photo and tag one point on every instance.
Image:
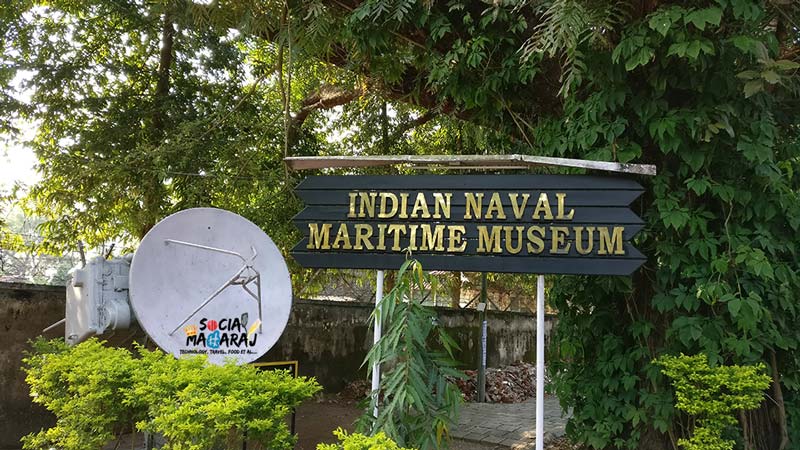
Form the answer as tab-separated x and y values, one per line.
376	369
482	346
540	362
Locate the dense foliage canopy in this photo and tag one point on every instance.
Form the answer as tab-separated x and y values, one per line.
148	107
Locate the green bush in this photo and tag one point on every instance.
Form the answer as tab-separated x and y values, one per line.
713	395
419	405
98	392
358	441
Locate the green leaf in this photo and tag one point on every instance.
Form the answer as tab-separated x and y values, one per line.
694	159
661	24
700	18
770	76
734	306
662	20
753	87
678	49
693	49
749	45
698	185
640	58
748	75
720	265
414	371
785	64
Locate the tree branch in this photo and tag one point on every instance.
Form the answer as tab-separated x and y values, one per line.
421	120
326	97
164	66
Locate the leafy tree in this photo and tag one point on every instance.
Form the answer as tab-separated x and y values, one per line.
21	258
707	90
7	239
139	116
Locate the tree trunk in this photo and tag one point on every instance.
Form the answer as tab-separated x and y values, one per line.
455	290
163	82
778	395
153	190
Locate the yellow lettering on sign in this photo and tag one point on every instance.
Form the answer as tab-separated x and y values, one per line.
433	232
513	249
495	208
562	199
385	211
342	238
535	243
403	206
412	237
381	237
420	205
559	235
441	205
397	230
542	206
367	204
363	233
579	247
352	213
611	244
456	241
519	209
489	242
432	239
474	205
318	237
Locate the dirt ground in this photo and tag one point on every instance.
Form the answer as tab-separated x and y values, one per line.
315	422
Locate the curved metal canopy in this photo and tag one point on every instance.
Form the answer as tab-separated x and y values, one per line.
463	162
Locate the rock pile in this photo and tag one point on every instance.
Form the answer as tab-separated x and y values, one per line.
356	391
507	384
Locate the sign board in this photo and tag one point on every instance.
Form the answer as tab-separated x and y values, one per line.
543	224
293	368
207	281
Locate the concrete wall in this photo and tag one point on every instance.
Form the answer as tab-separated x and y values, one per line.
25	310
329	339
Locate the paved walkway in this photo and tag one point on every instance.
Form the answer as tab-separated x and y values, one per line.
509	424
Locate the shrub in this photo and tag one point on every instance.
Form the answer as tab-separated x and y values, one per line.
713	395
358	441
99	392
419	404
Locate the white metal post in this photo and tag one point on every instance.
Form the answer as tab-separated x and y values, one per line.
540	362
376	368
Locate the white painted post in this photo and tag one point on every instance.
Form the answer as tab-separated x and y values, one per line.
540	362
376	368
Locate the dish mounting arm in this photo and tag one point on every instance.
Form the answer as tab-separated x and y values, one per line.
234	280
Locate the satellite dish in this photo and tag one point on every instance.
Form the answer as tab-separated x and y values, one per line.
208	281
